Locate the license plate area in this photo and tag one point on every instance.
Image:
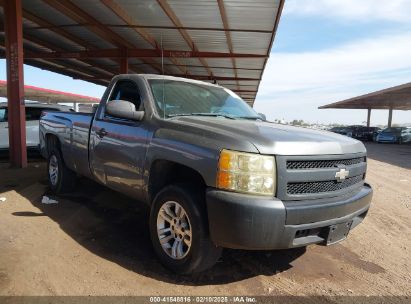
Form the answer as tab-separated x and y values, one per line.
338	232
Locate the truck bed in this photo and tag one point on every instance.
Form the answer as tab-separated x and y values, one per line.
73	131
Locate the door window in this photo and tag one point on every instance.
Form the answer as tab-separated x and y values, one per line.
33	113
128	91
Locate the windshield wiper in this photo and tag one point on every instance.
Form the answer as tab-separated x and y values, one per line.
203	114
179	114
216	115
250	117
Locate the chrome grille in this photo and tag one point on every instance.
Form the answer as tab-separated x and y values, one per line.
319	164
322	186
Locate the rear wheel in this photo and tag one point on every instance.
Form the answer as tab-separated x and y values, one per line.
179	230
61	179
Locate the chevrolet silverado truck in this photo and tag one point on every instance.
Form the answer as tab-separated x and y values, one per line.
214	173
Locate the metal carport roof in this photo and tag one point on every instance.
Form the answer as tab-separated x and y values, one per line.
397	98
226	41
394	98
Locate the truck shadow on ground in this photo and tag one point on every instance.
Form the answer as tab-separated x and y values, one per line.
394	154
114	227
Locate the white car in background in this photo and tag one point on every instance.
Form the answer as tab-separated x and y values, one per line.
33	112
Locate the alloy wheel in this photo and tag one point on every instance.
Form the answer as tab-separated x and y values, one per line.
53	170
174	230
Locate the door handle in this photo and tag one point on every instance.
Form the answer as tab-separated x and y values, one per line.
101	133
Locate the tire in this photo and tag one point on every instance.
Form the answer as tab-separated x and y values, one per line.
194	251
400	141
61	179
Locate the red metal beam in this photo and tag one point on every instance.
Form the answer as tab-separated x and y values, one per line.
198	77
15	83
243	91
200	66
139	53
124	64
140	26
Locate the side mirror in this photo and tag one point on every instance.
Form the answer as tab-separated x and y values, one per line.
263	117
123	109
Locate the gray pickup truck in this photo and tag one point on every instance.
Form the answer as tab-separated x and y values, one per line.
214	173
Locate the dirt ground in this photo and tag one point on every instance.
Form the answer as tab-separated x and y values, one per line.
95	242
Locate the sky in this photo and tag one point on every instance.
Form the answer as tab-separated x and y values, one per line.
330	50
324	51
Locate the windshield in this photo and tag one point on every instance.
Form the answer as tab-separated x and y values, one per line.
186	98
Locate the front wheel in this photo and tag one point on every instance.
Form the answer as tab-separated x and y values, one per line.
179	230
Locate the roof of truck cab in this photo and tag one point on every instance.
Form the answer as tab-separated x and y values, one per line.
228	41
184	79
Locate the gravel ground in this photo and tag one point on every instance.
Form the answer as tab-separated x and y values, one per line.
95	242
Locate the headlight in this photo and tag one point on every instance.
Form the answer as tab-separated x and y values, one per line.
246	172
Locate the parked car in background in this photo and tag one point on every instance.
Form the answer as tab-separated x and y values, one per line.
365	133
397	135
339	130
33	112
347	130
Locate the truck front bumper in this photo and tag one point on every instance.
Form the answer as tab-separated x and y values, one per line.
242	221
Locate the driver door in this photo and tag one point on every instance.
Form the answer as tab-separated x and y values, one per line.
119	145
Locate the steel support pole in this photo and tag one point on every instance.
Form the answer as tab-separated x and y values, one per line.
389	117
15	83
368	117
124	66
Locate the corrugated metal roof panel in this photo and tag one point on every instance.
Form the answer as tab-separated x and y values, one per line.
33	46
248	73
44	11
56	40
198	19
133	37
210	41
99	11
85	34
148	69
146	12
257	43
197	71
223	72
203	13
250	63
172	39
221	62
191	61
248	82
251	15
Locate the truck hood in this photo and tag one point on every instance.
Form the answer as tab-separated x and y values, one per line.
277	139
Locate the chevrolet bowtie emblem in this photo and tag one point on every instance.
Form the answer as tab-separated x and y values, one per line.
341	175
